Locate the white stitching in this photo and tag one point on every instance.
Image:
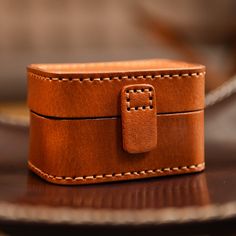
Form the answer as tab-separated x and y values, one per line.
117	78
143	90
118	175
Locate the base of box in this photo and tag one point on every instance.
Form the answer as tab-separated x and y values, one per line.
86	151
68	180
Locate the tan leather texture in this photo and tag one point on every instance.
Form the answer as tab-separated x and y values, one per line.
139	123
88	151
93	90
102	122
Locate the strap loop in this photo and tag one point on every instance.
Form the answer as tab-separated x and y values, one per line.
139	118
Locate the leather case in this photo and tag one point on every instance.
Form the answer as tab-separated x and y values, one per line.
101	122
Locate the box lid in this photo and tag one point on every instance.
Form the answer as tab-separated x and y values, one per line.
93	90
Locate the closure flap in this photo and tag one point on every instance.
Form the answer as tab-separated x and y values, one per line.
139	121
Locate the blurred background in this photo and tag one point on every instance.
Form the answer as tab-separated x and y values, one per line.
57	31
50	31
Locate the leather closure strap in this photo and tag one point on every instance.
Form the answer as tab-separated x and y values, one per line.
139	122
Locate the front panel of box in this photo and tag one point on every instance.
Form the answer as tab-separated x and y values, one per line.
82	151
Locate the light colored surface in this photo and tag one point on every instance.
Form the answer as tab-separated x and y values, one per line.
17	109
14	113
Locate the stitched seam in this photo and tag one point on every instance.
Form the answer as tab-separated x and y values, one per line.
117	78
117	175
146	90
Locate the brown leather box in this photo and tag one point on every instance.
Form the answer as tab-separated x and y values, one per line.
100	122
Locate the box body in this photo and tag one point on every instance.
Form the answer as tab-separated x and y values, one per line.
80	132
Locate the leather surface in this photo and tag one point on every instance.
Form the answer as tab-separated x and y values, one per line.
93	90
78	137
139	122
90	150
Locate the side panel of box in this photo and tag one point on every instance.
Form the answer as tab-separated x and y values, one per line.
83	151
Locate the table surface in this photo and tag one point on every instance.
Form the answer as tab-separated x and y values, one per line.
200	198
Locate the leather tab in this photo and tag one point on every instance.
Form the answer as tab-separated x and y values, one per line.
139	118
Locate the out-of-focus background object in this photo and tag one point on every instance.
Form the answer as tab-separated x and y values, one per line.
34	31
